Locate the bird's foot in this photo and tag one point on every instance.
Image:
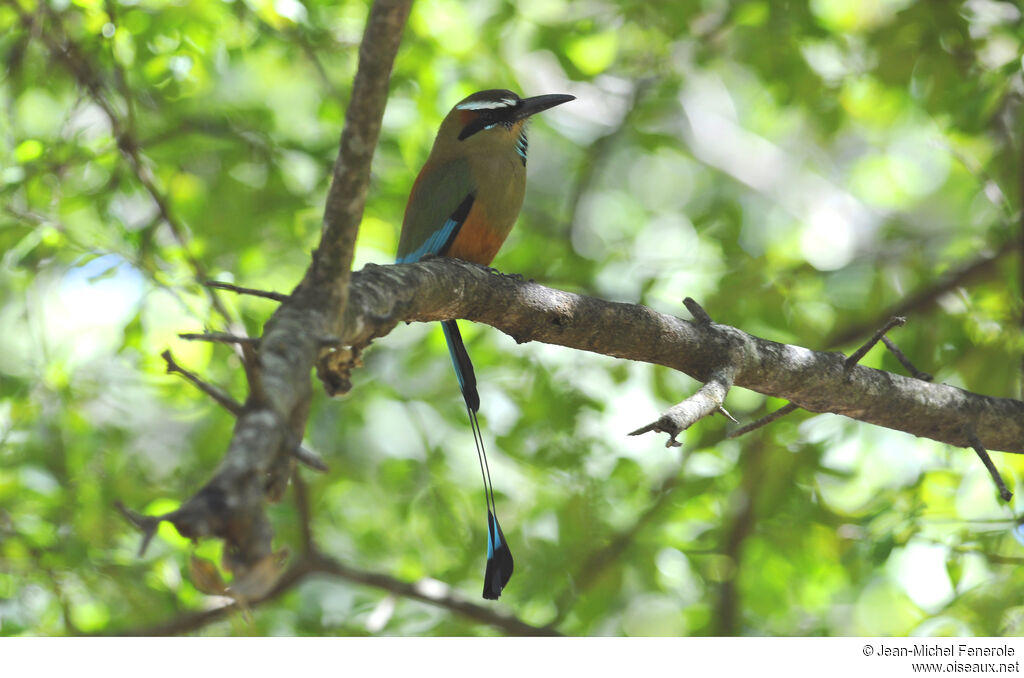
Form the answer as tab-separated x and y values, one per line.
518	277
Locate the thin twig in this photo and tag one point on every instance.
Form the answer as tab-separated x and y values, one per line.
311	54
218	285
597	154
705	402
222	398
74	60
662	495
302	506
725	413
923	298
697	311
740	526
996	558
220	338
764	421
1020	244
905	361
146	524
847	364
309	458
863	350
302	454
122	82
315	564
1004	493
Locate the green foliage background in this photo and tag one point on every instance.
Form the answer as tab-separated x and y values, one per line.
797	167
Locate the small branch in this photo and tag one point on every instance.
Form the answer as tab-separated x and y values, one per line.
595	158
736	531
309	458
905	361
978	269
302	454
1020	262
65	51
863	350
350	180
662	494
220	338
302	506
725	413
193	621
146	524
1004	493
764	421
996	558
705	402
315	564
697	311
310	52
222	398
847	364
217	285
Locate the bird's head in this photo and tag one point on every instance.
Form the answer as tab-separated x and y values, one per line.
493	118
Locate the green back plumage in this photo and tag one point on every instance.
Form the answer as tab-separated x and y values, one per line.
438	191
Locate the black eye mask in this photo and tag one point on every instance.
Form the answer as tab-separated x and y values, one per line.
485	120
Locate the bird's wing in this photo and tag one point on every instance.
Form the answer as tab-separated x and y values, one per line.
439	203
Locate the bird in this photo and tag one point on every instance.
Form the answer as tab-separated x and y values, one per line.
462	205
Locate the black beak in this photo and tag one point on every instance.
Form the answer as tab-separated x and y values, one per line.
533	105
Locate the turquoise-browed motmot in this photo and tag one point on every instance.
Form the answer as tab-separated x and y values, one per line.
463	205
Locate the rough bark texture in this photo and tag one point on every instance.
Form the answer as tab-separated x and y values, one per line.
817	381
260	457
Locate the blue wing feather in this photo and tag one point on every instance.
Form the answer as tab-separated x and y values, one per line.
433	245
438	242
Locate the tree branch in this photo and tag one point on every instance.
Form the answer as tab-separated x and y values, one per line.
705	402
905	361
856	356
741	523
332	261
220	338
661	495
260	457
997	480
316	564
218	285
67	53
925	297
763	421
815	381
218	395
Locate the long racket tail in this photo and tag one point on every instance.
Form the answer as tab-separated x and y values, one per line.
499	557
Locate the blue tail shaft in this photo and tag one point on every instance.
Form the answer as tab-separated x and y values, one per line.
461	363
499	557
